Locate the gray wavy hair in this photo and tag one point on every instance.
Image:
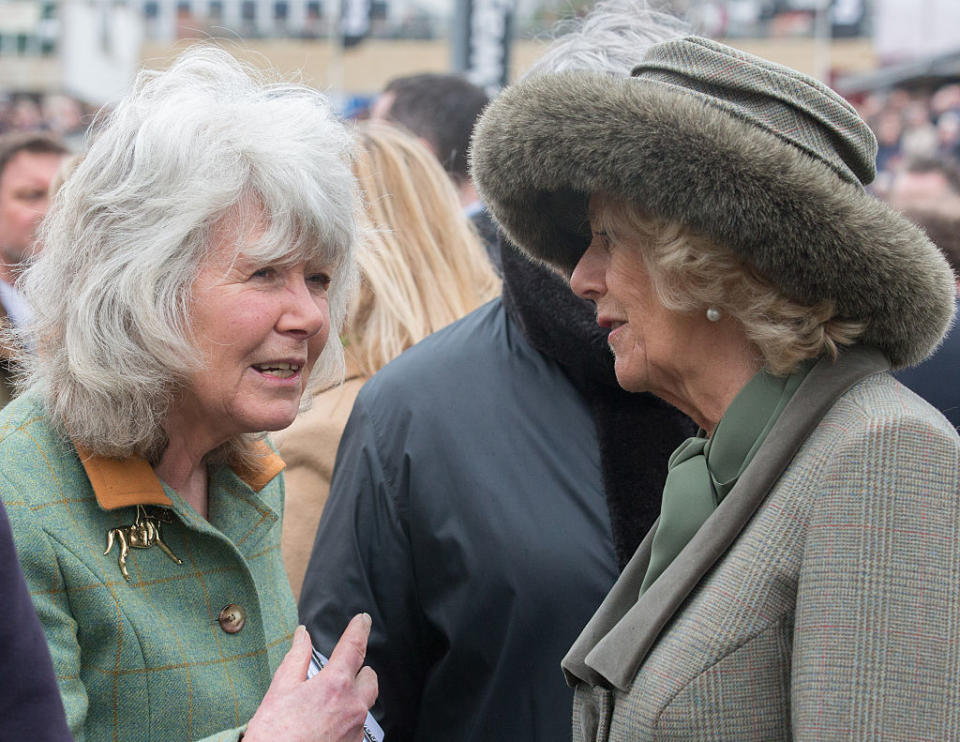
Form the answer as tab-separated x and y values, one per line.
130	229
611	38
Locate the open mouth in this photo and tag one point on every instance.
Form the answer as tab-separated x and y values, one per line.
280	370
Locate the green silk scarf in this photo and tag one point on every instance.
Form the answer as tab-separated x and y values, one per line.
703	470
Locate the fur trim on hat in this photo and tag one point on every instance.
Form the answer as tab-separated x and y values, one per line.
548	143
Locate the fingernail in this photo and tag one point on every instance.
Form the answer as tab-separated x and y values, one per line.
300	634
367	620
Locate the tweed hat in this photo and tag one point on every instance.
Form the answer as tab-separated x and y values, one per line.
759	158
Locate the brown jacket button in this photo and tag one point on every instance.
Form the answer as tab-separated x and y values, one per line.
232	618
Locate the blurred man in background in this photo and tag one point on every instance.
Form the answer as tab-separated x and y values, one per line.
28	164
926	183
441	110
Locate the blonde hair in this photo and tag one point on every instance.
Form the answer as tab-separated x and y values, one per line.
690	273
421	263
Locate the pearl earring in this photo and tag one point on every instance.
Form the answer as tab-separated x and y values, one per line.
714	314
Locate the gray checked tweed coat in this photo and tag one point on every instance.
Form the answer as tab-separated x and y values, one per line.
820	601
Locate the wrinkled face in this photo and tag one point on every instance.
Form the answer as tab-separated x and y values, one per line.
651	344
24	186
260	328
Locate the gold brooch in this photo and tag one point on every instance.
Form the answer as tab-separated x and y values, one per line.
144	533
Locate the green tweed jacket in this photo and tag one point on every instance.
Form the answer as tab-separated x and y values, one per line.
820	601
154	657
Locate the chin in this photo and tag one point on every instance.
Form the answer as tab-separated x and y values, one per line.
271	420
631	387
631	382
278	424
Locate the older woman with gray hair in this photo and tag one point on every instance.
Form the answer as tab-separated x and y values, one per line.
801	582
193	280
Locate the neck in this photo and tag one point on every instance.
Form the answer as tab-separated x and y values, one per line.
186	475
183	464
706	404
707	386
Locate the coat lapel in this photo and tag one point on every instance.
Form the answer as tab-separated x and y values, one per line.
617	639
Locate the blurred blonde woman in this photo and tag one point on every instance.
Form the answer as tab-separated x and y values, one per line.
422	266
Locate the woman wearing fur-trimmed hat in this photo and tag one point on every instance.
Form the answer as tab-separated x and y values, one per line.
801	582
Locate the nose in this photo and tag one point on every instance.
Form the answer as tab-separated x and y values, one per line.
587	279
307	313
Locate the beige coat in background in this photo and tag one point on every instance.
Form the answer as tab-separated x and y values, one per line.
309	448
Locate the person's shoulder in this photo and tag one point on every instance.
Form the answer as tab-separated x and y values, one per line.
24	426
461	350
36	464
881	402
453	375
878	446
43	486
879	429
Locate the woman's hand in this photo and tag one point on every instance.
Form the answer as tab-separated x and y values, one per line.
331	706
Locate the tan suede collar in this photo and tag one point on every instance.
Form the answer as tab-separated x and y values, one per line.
120	483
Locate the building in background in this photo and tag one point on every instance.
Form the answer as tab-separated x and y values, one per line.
90	49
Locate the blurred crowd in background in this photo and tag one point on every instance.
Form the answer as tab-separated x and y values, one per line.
914	128
57	114
425	522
